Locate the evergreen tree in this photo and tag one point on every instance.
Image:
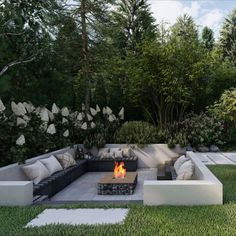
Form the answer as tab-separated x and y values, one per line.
134	22
228	37
208	38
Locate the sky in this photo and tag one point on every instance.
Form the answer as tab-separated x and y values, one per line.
209	13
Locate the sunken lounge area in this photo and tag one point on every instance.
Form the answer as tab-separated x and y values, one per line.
114	174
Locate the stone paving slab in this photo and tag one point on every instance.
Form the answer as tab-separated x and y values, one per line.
205	159
79	217
85	188
219	159
231	156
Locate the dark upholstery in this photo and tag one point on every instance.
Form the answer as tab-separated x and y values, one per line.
60	179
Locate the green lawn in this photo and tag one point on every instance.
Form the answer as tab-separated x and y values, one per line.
142	220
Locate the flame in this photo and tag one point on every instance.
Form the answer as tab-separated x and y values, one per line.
119	170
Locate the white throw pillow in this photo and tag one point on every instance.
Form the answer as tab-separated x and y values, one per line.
179	162
66	160
118	154
103	152
186	171
36	172
52	164
126	152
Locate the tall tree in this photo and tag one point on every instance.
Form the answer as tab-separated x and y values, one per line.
228	37
208	38
90	15
135	22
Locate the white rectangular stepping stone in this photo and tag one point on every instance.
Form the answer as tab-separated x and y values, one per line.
219	159
79	216
205	159
230	155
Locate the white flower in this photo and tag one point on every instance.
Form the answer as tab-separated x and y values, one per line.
26	118
84	126
37	110
55	109
109	111
89	117
93	125
65	111
98	108
18	109
111	118
80	117
83	107
44	115
74	115
104	110
2	107
50	114
43	126
64	120
20	121
121	113
51	129
66	133
93	111
29	107
21	140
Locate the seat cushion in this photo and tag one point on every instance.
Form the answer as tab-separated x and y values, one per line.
36	172
52	164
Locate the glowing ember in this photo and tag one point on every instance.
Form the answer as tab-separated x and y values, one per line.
119	170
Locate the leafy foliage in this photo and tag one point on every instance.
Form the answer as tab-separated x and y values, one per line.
136	132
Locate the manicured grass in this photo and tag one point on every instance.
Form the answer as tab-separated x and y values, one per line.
142	220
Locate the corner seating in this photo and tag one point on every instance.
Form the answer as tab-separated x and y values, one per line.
59	180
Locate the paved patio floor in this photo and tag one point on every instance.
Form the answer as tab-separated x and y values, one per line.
85	188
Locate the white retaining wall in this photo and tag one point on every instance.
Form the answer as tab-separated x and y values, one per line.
204	189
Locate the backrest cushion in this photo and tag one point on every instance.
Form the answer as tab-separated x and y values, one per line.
104	153
66	160
186	171
36	172
179	162
52	164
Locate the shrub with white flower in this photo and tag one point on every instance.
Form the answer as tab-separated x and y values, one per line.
52	129
21	140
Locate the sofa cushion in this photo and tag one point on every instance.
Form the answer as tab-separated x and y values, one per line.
36	172
52	164
104	153
66	160
126	152
179	162
186	171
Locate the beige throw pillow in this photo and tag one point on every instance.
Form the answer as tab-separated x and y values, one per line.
66	160
179	162
52	164
186	171
36	172
104	153
126	152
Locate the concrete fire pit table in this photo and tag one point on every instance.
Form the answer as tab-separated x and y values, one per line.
108	185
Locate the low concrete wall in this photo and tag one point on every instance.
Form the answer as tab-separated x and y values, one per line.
205	190
16	193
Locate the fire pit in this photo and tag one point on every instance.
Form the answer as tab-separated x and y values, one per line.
118	183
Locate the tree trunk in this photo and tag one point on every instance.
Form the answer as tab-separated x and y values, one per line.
86	64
